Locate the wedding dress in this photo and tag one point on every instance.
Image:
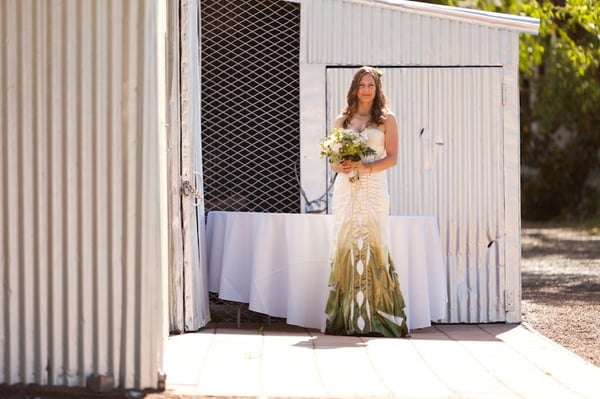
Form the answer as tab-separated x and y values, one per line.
364	296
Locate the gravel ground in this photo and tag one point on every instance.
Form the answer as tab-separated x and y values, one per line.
561	300
561	286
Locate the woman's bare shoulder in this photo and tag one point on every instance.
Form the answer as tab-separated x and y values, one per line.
339	121
390	117
389	123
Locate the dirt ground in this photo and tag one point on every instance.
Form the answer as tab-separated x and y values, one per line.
561	286
560	299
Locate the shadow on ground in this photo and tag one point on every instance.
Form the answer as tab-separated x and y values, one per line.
540	286
560	271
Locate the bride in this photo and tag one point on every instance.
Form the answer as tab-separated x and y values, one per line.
364	296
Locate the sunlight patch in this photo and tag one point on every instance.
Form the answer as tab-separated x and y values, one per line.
394	319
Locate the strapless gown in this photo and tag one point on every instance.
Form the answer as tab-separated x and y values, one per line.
364	296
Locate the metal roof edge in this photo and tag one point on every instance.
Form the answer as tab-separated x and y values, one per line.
508	21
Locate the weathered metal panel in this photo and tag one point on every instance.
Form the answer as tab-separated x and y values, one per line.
451	166
194	292
82	209
357	32
175	234
187	279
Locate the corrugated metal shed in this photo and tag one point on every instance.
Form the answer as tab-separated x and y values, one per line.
451	76
83	249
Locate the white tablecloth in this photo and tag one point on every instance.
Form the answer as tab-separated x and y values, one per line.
279	264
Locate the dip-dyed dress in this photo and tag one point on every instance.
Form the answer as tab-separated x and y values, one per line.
365	296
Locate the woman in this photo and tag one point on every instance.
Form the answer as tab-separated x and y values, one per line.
365	297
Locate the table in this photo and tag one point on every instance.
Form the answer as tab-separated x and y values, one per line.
279	264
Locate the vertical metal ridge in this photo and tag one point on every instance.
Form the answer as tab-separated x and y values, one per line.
4	234
125	129
100	165
50	360
103	187
65	203
112	109
78	131
90	304
37	193
139	179
20	205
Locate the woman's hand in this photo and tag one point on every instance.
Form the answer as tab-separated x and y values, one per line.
348	167
345	167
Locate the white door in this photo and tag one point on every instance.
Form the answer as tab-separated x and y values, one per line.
450	166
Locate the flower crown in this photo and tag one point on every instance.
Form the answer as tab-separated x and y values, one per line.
377	72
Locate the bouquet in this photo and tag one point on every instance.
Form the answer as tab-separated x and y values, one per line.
342	145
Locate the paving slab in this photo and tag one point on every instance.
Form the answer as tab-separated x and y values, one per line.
476	361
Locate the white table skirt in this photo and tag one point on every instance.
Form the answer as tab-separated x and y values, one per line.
279	264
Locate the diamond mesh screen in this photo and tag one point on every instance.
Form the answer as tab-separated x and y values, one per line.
250	105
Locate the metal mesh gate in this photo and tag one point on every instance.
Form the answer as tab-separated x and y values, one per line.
250	113
250	105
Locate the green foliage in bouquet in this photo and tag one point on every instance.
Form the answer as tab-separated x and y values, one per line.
342	145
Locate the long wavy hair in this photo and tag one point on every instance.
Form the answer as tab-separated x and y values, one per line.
379	108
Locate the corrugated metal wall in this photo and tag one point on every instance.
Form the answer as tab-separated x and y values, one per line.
358	32
81	209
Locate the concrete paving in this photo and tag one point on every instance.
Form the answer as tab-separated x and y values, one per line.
482	361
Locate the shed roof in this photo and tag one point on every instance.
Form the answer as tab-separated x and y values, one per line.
499	20
509	21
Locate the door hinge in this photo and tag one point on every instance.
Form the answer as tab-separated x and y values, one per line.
509	300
